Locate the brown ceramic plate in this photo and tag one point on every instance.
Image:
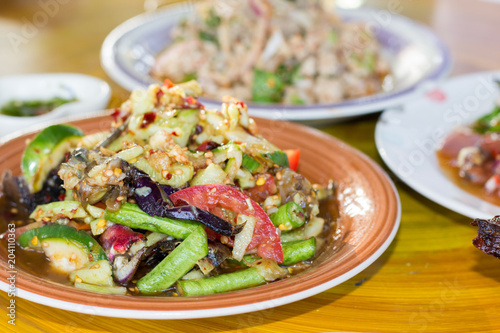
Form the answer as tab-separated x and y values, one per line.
369	217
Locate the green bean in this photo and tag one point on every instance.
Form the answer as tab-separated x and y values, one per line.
289	216
294	252
180	261
132	216
249	277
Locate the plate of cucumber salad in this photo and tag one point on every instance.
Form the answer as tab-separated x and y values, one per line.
165	209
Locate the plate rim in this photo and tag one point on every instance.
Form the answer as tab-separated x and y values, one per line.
389	188
330	111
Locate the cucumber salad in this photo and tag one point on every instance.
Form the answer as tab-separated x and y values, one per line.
173	200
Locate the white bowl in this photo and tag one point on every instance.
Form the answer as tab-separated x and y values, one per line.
91	95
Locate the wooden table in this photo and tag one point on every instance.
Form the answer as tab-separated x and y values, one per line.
430	279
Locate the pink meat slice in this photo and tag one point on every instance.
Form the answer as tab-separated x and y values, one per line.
457	140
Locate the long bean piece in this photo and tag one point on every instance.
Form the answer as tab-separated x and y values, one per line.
247	278
132	216
176	264
300	250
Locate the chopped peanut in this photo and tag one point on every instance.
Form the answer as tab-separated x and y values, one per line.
117	172
101	223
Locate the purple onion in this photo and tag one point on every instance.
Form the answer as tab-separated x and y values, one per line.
117	239
211	221
124	267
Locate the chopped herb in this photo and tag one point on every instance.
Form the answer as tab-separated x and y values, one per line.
189	77
207	36
489	122
295	99
287	73
267	87
213	20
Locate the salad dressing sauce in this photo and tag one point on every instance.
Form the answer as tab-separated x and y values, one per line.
452	173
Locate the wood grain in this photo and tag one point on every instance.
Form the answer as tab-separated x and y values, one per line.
431	279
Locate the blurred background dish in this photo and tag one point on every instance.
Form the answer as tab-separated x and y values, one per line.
415	54
45	97
409	136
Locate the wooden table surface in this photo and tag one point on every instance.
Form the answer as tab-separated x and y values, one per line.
431	278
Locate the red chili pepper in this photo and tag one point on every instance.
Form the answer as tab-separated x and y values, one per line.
147	119
167	83
293	158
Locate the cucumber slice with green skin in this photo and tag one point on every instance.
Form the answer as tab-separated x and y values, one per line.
245	178
212	174
250	163
70	209
278	157
95	272
46	151
179	174
67	248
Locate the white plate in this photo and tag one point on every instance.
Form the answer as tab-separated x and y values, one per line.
92	94
414	52
408	136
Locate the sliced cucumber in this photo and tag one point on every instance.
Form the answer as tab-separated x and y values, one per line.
67	248
95	272
250	163
245	178
70	209
179	174
114	290
181	125
46	151
311	229
212	174
234	156
65	256
278	157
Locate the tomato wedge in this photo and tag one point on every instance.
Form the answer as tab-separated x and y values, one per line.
212	197
293	158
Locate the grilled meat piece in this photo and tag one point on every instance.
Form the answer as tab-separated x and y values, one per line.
488	235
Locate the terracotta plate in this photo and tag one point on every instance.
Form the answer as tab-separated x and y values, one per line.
369	218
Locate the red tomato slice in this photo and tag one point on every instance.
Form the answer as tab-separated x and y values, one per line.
208	197
293	158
